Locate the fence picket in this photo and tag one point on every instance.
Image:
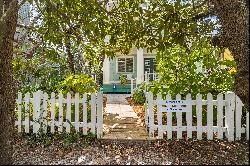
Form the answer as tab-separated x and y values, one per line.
230	108
146	109
68	113
37	106
84	114
238	114
209	116
99	114
169	120
179	119
159	116
151	114
189	117
52	112
220	115
45	112
19	107
93	112
60	125
247	126
27	112
77	112
199	115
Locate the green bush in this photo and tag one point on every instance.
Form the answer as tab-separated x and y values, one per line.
138	94
196	71
123	79
81	83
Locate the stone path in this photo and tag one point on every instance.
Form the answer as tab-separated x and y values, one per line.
120	121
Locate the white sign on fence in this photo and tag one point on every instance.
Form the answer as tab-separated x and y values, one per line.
174	109
175	105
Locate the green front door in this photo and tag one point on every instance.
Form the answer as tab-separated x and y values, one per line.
150	67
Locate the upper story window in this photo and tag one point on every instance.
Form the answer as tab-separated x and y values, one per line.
125	65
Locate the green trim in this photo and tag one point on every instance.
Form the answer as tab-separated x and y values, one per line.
108	88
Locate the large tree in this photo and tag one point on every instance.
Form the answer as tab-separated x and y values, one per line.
8	22
234	18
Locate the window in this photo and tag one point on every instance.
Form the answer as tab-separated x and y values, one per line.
125	65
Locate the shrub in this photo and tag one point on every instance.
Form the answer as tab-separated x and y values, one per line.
81	83
123	79
138	94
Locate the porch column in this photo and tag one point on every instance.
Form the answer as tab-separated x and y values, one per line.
106	71
140	66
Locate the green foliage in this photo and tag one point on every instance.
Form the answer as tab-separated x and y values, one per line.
65	140
38	73
198	71
123	79
81	83
138	94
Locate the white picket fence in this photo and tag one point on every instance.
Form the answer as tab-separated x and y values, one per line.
56	113
228	112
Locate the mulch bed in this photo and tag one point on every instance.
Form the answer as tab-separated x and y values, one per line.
110	152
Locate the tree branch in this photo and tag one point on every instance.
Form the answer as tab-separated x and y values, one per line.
10	9
202	4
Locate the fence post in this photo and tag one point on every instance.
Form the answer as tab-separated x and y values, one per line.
229	111
151	114
99	115
146	109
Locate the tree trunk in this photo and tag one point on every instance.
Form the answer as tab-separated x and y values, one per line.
69	54
7	88
234	17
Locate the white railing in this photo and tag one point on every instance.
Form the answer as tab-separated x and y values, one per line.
148	76
228	112
42	111
133	85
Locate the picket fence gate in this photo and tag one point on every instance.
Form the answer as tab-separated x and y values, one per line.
228	112
41	111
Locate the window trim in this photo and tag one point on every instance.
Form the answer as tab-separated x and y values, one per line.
125	64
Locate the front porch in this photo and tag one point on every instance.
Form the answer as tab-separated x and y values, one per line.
138	66
128	88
